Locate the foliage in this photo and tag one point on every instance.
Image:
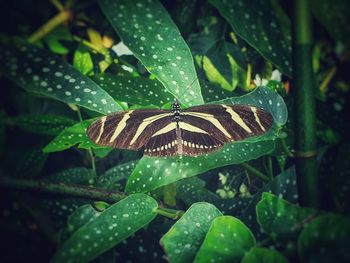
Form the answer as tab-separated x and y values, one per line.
94	203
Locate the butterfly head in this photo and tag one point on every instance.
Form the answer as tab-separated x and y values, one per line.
175	106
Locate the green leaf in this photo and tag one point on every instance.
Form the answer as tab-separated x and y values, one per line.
53	39
81	216
283	185
71	136
30	163
82	61
227	240
134	90
334	16
41	73
256	23
112	226
152	173
112	177
280	219
75	175
184	238
149	32
264	255
325	239
41	124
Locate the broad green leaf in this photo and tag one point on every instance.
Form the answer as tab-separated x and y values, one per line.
184	238
41	73
263	255
112	226
280	219
134	90
151	173
334	16
71	136
149	32
325	239
213	93
82	61
75	175
227	240
113	176
283	185
41	124
256	23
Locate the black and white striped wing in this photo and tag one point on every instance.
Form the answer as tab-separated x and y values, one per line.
221	124
129	129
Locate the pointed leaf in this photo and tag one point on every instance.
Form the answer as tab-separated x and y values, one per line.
40	72
184	238
149	32
112	226
256	23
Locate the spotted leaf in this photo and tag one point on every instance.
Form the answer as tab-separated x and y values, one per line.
149	32
113	225
260	27
42	73
184	238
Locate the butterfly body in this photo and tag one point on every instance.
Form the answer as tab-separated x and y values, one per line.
194	131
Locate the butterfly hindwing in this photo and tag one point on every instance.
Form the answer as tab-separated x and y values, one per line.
228	123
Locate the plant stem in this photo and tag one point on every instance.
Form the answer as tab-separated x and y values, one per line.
170	213
255	172
286	149
270	168
61	188
327	79
304	105
50	25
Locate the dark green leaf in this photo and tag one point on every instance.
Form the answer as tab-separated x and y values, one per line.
41	73
256	23
134	90
263	255
227	240
281	219
112	226
81	216
41	124
325	239
75	175
149	32
184	238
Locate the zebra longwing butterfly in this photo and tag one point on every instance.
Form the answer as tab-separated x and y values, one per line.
194	131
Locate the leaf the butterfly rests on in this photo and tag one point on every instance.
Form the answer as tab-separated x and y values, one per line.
195	131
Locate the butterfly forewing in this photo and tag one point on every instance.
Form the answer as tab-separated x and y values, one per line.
128	130
198	130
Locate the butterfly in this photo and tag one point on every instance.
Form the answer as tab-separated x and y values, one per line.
191	132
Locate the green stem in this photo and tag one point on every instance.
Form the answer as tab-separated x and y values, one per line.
50	25
170	213
286	149
304	105
255	172
270	168
61	188
90	151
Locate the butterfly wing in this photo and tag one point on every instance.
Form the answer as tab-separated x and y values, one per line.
228	123
129	129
